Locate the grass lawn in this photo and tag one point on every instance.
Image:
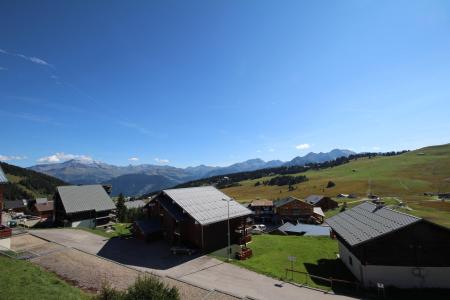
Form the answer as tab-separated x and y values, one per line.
314	255
121	229
21	280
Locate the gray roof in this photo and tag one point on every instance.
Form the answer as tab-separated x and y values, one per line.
84	198
306	229
206	204
313	199
135	204
41	200
284	201
14	204
366	221
3	178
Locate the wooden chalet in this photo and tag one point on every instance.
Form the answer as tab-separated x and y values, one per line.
293	210
196	217
83	206
383	246
325	203
263	210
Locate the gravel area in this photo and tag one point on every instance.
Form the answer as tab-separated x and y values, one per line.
86	271
26	242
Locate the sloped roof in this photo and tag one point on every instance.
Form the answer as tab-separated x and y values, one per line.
318	211
14	204
41	200
41	207
261	202
84	198
3	178
313	199
307	229
135	204
287	200
285	226
367	221
206	204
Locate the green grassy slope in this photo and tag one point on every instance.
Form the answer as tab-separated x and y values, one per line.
22	280
405	176
25	183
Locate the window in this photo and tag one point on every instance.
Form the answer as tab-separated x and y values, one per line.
350	261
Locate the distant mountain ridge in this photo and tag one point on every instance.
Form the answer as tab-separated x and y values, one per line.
149	178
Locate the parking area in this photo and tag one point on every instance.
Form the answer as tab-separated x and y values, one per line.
197	270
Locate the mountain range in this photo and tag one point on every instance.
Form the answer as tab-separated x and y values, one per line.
134	180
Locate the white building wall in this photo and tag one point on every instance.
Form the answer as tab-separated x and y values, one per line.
398	276
407	277
5	243
90	223
355	266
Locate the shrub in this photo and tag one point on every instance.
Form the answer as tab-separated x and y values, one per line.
330	184
145	288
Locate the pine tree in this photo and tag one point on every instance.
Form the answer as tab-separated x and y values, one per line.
121	208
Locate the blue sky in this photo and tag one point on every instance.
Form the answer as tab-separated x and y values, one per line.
216	82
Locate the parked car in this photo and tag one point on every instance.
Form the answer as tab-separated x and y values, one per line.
258	229
11	224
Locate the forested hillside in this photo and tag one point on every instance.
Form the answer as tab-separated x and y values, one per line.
28	184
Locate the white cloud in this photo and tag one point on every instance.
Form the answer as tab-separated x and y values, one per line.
161	161
271	150
11	157
133	159
61	157
302	146
3	69
376	148
34	59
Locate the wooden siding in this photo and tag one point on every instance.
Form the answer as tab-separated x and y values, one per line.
295	210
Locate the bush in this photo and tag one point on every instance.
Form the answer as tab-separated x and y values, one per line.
145	288
330	184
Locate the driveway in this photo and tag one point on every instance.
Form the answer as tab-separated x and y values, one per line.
200	270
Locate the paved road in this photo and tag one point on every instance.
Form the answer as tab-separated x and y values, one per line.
202	270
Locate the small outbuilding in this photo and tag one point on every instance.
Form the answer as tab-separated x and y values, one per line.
325	203
83	206
382	246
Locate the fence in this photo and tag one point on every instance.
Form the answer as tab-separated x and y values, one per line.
332	282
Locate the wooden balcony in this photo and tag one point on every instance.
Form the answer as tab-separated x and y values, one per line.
5	232
245	239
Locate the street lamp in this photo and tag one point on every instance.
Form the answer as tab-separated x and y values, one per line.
228	220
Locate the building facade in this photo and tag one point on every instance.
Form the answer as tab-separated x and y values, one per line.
380	245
